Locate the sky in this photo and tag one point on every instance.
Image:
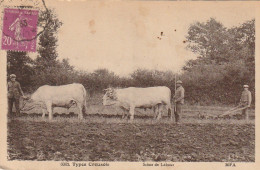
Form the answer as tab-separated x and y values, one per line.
123	36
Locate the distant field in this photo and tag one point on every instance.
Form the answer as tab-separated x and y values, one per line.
103	136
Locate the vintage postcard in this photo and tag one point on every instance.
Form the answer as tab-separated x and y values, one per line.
91	84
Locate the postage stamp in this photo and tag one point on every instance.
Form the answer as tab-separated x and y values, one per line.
19	29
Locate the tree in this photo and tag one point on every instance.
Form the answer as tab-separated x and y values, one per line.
20	64
226	61
209	40
244	45
48	39
48	69
61	74
149	78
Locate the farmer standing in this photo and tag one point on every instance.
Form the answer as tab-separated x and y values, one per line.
14	93
178	100
245	101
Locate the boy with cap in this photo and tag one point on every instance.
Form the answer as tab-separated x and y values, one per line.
178	100
245	101
14	93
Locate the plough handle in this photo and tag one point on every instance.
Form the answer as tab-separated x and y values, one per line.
233	110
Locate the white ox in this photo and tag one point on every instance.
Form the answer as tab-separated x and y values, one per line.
132	97
60	96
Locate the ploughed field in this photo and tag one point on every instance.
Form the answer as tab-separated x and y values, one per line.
103	136
119	140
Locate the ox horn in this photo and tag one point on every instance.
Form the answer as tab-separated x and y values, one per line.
26	97
108	89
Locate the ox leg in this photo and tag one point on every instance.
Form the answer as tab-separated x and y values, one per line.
49	109
159	112
132	112
155	110
80	116
123	116
43	111
169	111
123	109
125	113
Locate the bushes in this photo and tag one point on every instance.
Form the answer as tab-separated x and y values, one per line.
214	84
204	85
148	78
98	80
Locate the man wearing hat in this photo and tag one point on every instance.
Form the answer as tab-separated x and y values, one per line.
14	93
178	100
245	101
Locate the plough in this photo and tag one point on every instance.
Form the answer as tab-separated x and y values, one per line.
230	112
233	111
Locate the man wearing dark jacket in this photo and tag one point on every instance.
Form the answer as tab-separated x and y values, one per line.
14	93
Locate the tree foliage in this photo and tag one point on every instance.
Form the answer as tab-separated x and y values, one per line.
48	39
149	78
20	64
226	61
48	69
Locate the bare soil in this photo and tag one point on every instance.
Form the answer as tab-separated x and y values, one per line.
114	139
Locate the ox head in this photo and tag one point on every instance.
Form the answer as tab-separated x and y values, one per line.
27	103
110	97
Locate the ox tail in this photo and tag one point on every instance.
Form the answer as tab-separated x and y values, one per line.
170	113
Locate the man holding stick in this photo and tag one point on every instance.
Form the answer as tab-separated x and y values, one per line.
178	100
